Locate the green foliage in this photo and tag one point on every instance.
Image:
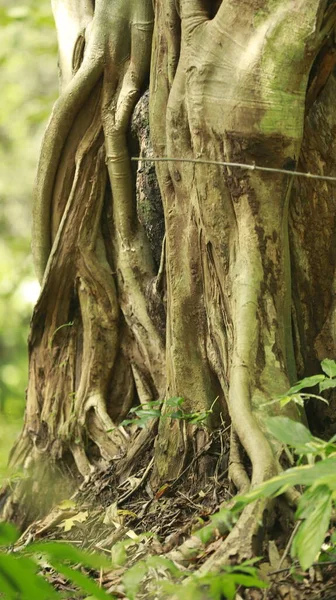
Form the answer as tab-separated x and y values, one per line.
297	393
314	508
221	521
192	585
173	409
20	577
216	585
317	478
315	511
297	436
19	572
8	534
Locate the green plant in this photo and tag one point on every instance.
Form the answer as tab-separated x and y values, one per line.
314	508
216	586
20	578
70	324
317	477
192	586
173	410
297	393
19	572
188	585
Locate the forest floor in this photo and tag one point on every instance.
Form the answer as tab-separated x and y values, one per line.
135	523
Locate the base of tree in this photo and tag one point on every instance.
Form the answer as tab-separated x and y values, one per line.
105	511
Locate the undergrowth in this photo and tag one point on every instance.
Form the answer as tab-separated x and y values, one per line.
313	471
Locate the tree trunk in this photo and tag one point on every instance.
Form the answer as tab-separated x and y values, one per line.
236	301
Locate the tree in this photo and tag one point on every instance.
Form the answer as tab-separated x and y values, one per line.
236	301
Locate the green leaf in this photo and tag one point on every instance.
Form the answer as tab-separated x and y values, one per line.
190	590
133	577
303	475
329	367
123	423
141	407
296	398
289	432
8	534
175	402
222	585
177	414
223	521
307	501
307	382
327	384
310	536
197	417
66	552
206	533
119	554
20	578
164	563
249	580
149	413
82	581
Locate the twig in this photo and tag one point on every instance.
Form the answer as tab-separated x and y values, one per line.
289	543
326	563
198	506
112	539
131	492
253	167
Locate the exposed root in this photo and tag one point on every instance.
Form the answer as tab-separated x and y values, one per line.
245	539
237	472
64	112
77	326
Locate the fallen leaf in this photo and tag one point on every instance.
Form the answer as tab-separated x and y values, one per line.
126	513
162	490
131	534
66	505
111	515
68	524
273	555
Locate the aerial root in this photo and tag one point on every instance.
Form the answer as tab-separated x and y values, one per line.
102	431
245	539
237	471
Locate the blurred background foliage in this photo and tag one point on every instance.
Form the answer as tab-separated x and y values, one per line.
28	63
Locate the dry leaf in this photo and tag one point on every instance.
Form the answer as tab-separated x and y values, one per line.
131	534
68	524
126	513
162	490
111	515
273	555
66	505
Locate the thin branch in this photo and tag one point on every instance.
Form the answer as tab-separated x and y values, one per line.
324	563
252	167
289	543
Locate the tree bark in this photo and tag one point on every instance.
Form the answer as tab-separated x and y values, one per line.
225	290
